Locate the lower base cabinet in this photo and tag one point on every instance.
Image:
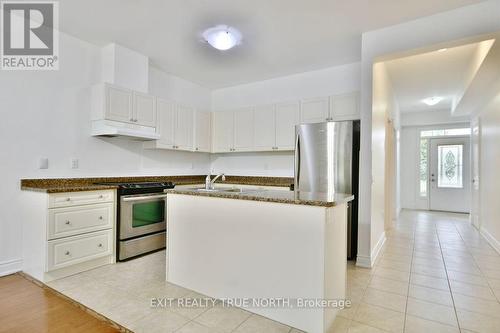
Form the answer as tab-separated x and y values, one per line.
68	233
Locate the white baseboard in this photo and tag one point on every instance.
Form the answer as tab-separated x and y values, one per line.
369	262
10	266
492	240
376	250
363	261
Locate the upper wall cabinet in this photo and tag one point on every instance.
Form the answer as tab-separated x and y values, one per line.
202	131
118	104
167	117
333	108
175	125
233	131
223	131
145	109
314	110
344	107
114	103
183	133
264	127
243	130
287	116
274	126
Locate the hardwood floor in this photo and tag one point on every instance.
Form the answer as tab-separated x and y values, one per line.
27	307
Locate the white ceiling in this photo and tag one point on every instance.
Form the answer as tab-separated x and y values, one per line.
280	37
421	76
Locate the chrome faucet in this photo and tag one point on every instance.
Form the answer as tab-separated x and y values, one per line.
209	184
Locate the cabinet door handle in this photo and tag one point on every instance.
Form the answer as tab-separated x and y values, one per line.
68	222
101	196
67	253
100	245
100	217
68	199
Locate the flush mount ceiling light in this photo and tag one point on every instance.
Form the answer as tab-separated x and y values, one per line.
442	50
432	100
222	37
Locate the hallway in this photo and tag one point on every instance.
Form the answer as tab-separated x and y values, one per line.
436	273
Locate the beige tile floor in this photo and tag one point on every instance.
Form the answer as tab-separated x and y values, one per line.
435	274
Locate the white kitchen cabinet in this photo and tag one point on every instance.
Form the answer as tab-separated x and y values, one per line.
68	233
344	107
167	111
287	116
184	128
122	105
118	104
175	126
314	110
274	126
222	131
243	130
264	128
144	110
202	131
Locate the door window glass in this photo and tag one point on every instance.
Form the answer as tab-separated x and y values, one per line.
424	164
445	132
450	167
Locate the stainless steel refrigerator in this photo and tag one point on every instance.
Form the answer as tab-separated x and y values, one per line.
327	161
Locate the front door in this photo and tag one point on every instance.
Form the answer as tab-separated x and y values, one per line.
450	174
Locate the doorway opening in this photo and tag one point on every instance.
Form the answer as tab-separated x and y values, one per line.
444	169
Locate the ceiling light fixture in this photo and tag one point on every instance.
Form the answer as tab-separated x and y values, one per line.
442	50
222	37
432	100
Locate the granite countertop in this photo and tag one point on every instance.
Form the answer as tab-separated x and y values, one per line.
60	185
69	188
278	196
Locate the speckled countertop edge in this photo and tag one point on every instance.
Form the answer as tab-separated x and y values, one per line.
59	185
267	197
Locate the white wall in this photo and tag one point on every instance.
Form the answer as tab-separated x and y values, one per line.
329	81
384	108
47	114
489	165
429	118
444	27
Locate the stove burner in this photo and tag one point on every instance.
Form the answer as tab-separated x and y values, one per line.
141	187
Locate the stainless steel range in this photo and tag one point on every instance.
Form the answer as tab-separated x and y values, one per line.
141	218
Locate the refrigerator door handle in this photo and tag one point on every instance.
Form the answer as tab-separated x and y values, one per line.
297	162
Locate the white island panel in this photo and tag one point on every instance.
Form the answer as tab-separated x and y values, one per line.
227	248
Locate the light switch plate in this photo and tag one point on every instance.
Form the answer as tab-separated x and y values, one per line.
74	163
43	163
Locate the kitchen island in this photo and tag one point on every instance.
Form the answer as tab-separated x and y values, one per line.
256	247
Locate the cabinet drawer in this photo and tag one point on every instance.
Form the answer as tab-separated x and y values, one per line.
80	198
74	250
70	221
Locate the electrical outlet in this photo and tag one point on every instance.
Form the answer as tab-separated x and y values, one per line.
74	163
43	163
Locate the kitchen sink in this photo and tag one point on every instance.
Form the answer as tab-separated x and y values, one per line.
220	189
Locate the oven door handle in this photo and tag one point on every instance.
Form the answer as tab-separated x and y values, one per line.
145	197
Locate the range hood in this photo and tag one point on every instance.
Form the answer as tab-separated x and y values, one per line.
107	128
